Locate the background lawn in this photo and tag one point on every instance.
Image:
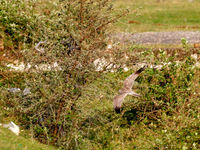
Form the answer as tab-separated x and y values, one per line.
152	15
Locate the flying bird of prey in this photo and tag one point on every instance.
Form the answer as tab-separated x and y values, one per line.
126	90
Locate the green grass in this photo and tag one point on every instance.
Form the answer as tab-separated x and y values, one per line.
9	141
164	16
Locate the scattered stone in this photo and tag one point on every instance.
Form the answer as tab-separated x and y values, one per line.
26	91
194	56
14	90
42	67
12	127
18	67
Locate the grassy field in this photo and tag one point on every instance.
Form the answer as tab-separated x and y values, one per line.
73	108
9	141
152	15
24	141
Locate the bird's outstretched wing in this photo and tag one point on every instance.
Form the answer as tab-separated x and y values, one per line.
126	90
128	82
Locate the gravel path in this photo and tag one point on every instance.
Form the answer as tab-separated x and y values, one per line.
158	37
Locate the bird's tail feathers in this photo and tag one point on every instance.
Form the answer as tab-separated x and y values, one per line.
141	69
132	93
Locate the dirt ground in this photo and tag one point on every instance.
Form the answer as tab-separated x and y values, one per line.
158	37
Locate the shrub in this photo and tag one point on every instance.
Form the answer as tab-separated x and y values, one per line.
16	24
167	83
73	33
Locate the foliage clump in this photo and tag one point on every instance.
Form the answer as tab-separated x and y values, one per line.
73	33
15	24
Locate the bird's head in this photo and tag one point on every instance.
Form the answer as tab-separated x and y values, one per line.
117	110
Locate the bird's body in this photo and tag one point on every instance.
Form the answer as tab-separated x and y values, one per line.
126	90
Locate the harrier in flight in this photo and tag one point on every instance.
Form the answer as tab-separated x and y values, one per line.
126	90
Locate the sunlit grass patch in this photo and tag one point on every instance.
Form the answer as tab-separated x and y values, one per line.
159	16
9	140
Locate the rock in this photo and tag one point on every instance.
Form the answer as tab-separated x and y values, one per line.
26	91
14	90
194	56
12	127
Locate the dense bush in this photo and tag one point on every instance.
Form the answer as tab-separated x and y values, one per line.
15	24
171	86
73	33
